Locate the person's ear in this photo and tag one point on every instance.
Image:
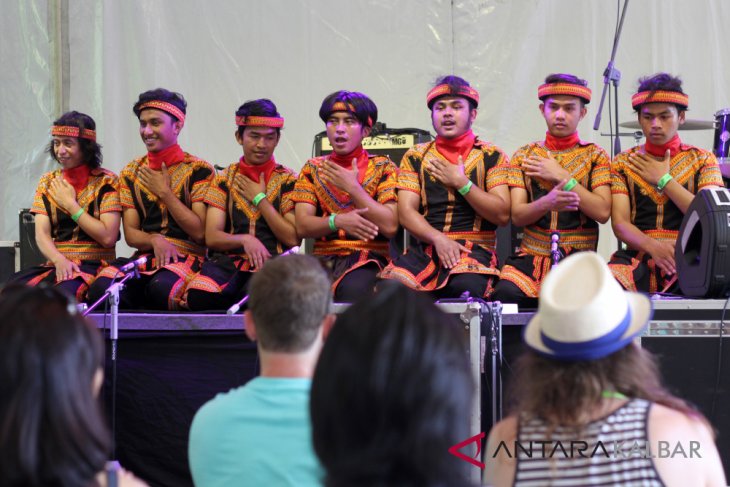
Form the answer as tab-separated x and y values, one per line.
97	381
249	325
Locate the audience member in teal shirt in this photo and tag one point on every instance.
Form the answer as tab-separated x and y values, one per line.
260	433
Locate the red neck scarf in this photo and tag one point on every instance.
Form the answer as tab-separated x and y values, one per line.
252	172
451	149
77	176
170	156
561	143
674	145
345	161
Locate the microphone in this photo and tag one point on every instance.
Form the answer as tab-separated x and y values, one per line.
293	250
554	252
135	263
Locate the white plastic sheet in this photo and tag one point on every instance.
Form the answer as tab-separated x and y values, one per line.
222	53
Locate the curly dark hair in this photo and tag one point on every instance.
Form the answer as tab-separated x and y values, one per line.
664	82
90	149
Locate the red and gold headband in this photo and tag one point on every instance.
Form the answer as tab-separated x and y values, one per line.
341	106
165	107
70	131
441	90
569	89
659	96
258	121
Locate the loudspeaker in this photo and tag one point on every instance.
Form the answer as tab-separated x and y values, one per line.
390	142
702	254
30	255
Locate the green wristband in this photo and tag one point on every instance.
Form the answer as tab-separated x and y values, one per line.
75	217
257	199
333	227
465	189
663	181
572	183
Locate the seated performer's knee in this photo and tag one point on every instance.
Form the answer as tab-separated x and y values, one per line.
356	284
508	292
457	285
160	291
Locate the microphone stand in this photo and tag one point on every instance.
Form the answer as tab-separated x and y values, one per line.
613	76
112	294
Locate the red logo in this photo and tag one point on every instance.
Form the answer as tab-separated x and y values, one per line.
454	450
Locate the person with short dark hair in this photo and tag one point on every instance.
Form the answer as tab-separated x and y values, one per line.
76	208
587	403
163	214
557	185
250	215
260	434
346	200
52	430
652	186
452	195
390	392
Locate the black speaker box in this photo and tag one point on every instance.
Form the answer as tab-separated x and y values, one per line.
702	253
30	255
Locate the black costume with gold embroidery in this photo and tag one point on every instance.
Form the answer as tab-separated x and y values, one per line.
223	278
159	288
523	272
447	211
99	196
343	255
655	214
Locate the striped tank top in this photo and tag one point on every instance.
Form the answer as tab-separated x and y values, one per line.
610	451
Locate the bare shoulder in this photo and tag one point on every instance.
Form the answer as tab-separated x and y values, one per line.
683	448
499	453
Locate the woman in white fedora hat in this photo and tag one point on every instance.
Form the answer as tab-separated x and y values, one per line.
588	405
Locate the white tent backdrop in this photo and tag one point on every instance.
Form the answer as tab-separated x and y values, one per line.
100	55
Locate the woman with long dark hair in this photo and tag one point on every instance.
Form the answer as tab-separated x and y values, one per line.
389	394
77	210
52	432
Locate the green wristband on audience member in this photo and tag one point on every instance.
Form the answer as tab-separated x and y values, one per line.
333	227
465	189
663	181
257	199
75	217
572	183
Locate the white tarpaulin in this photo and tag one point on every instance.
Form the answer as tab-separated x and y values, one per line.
97	56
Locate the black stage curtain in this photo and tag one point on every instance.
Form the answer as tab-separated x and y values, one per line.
162	380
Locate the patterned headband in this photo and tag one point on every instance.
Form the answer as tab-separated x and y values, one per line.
70	131
341	106
659	96
564	89
165	107
441	90
259	121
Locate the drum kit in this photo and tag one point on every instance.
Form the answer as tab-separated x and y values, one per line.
721	144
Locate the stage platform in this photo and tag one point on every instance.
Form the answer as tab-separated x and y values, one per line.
169	364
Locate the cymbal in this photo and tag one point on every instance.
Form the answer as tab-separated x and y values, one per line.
689	124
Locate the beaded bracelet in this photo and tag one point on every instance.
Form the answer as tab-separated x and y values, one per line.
570	184
333	227
75	217
465	189
257	199
663	181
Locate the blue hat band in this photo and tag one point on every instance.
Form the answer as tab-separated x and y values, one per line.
592	349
